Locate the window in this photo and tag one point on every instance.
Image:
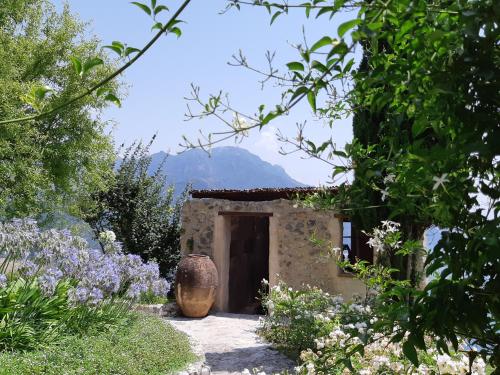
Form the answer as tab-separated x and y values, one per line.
354	243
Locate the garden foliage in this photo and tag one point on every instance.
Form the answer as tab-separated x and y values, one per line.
140	208
332	336
426	147
136	348
60	159
52	284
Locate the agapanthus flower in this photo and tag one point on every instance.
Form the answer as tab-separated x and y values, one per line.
52	255
95	296
28	268
79	295
48	281
161	287
3	281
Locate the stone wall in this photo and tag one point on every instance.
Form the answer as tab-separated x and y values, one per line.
293	257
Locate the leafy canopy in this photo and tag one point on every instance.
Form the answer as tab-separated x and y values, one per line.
63	157
427	151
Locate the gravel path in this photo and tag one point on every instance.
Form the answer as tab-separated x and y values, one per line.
231	345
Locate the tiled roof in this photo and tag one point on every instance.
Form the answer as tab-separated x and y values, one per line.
265	194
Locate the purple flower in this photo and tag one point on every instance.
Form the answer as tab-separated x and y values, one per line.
52	255
135	290
49	280
3	281
161	287
28	269
78	295
95	296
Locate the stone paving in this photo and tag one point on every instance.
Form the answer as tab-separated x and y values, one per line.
230	344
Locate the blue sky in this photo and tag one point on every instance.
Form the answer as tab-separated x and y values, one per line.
158	83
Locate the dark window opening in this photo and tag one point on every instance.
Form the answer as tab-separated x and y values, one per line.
354	244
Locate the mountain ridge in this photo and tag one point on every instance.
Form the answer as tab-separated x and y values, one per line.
227	167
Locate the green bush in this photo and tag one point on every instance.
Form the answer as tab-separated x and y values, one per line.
330	336
28	317
31	319
52	284
146	346
296	317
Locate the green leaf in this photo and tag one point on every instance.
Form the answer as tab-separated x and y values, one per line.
41	92
101	90
275	15
157	26
410	352
130	50
144	7
346	26
374	26
406	26
77	64
295	65
270	116
113	98
91	64
311	98
326	40
173	23
176	31
300	91
319	66
117	47
308	9
340	153
159	9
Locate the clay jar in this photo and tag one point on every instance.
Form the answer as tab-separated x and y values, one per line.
195	285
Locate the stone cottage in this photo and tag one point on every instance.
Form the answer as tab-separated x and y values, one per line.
263	234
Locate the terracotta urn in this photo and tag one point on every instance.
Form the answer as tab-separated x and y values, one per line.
195	285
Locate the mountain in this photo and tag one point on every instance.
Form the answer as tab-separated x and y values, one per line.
225	168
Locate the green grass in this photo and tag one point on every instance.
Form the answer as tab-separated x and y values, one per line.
148	345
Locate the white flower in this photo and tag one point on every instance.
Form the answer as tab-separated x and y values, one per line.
240	124
439	181
108	236
385	194
389	178
246	372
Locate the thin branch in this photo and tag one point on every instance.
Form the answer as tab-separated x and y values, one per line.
164	29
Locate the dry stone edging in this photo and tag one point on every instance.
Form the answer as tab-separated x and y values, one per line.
228	344
168	309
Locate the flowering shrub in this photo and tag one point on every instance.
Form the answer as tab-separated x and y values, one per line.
91	286
337	337
296	318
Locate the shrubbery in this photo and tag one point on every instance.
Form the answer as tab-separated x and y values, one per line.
337	337
140	208
52	283
363	335
296	317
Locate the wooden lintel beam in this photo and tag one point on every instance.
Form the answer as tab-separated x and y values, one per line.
240	213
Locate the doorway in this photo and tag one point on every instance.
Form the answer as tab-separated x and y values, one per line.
249	262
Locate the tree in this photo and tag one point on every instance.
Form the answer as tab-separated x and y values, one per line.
425	147
66	156
140	208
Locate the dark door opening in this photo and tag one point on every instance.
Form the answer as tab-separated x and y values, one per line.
249	262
